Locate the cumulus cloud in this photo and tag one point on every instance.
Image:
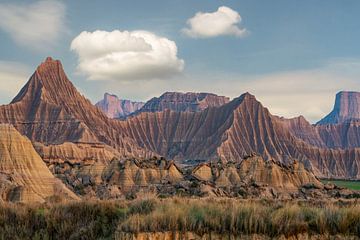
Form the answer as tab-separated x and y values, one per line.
36	25
123	55
225	21
13	76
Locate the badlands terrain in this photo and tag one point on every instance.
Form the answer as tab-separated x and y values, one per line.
60	155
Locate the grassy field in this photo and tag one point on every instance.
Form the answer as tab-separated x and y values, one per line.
353	185
103	220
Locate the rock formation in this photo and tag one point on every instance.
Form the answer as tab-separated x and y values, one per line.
255	170
114	107
253	177
347	107
184	102
51	111
24	176
236	129
67	129
132	175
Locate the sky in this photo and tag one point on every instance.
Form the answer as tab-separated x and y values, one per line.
294	56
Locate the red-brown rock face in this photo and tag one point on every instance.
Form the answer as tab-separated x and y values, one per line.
114	107
50	110
184	102
235	130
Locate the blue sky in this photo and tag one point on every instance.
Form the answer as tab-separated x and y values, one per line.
294	56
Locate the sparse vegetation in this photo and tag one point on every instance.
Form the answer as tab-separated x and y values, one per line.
101	220
350	184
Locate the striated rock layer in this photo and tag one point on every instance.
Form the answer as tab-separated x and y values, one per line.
51	111
347	107
236	129
24	176
184	102
254	177
114	107
65	127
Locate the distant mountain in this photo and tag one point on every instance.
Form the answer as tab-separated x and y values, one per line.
184	102
114	107
346	108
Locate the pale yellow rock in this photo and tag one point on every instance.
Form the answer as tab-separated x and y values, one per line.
28	178
203	172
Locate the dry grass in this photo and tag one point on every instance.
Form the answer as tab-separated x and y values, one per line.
246	217
100	220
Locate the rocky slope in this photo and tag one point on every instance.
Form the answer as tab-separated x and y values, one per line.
347	107
184	102
236	129
254	169
24	175
67	129
51	111
252	178
114	107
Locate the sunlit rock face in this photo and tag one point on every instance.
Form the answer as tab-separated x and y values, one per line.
24	175
64	126
50	110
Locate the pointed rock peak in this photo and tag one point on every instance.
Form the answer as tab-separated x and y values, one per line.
49	59
49	65
245	97
49	82
248	95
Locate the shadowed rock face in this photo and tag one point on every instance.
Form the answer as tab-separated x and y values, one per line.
24	175
237	129
347	107
114	107
184	102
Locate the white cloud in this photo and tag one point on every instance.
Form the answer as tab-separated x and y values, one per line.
222	22
37	25
126	55
12	78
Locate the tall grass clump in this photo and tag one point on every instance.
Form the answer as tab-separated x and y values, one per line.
229	216
106	219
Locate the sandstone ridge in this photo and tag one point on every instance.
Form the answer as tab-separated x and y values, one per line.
24	176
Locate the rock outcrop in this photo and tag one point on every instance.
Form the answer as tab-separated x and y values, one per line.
51	111
236	129
347	107
255	170
114	107
65	127
253	177
24	176
184	102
